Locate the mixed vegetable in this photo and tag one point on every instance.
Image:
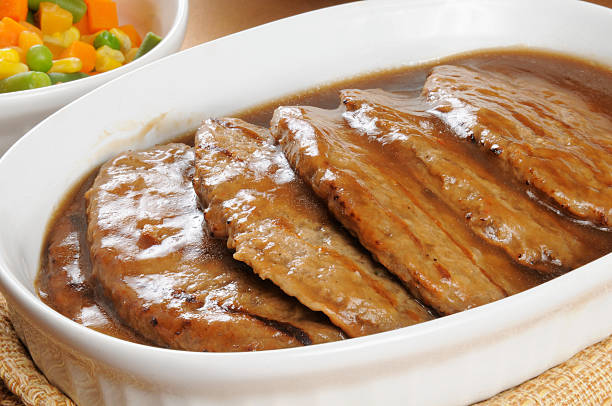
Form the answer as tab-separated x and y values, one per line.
55	41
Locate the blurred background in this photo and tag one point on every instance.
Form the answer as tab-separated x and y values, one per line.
210	19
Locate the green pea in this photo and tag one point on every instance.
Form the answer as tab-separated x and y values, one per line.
39	58
24	81
148	43
59	77
107	38
77	8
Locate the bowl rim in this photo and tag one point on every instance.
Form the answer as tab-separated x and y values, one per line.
49	319
32	302
180	20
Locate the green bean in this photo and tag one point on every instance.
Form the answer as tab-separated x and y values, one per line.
60	77
34	4
30	18
39	58
148	43
24	81
77	8
107	38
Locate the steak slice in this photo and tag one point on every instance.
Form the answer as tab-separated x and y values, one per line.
404	226
548	136
63	281
167	279
280	228
495	207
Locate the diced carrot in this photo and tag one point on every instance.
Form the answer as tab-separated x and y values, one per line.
9	32
13	25
15	9
102	14
53	18
132	33
89	1
85	52
83	25
5	38
55	49
90	38
27	39
32	28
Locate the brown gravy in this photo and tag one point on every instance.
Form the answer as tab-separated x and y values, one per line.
62	282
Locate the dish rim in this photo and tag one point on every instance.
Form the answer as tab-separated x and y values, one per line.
477	312
314	355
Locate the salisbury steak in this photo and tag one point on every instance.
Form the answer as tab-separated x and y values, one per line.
495	207
66	284
550	137
280	228
167	279
395	217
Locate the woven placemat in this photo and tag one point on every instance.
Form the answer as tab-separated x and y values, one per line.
20	381
584	380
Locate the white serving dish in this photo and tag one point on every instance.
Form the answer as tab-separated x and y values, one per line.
21	111
454	360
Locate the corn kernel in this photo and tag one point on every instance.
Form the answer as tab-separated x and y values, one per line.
28	39
130	55
9	55
22	54
104	63
111	53
124	39
55	39
63	39
67	65
11	68
71	35
108	59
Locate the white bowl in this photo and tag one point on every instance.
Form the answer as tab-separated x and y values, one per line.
453	360
21	111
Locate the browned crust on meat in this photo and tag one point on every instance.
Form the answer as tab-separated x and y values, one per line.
546	135
405	228
495	207
167	279
279	228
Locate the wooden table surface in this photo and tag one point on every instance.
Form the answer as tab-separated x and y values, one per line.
210	19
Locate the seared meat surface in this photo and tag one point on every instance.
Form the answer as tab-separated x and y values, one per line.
167	279
454	184
279	228
547	135
398	219
495	207
66	286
